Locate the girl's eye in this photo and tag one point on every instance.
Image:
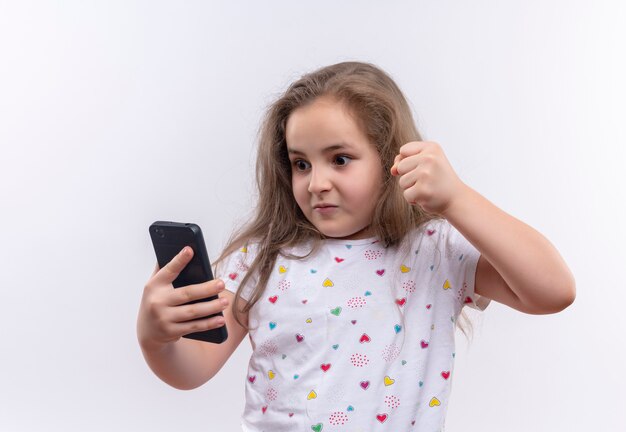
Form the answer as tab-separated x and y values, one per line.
300	165
343	160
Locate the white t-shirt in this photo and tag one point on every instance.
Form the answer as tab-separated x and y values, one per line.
357	337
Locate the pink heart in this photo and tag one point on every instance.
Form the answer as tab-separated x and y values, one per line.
304	301
428	306
325	367
445	374
381	417
424	344
233	276
430	232
353	321
339	259
299	337
252	378
401	301
380	272
365	385
273	299
364	338
264	408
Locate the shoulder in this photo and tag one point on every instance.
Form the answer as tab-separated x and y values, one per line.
245	251
237	260
433	231
235	266
438	237
444	233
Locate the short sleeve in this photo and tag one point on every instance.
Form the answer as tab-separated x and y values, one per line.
462	260
234	268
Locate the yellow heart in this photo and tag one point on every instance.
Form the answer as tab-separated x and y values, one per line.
271	374
405	269
434	402
244	249
389	381
309	320
312	395
328	283
446	284
282	269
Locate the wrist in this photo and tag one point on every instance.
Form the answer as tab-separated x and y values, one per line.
457	202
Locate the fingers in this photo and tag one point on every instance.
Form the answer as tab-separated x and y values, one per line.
180	296
165	313
394	168
198	325
410	194
173	268
409	151
155	271
407	164
407	180
198	310
413	147
163	317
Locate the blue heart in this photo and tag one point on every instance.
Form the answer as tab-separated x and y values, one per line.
296	376
313	271
335	346
367	293
284	356
272	325
403	362
432	267
349	246
421	383
350	408
398	327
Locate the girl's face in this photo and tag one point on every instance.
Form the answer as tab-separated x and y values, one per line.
336	172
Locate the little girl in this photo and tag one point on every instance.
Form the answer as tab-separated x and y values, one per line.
352	275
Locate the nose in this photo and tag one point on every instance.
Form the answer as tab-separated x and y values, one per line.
319	181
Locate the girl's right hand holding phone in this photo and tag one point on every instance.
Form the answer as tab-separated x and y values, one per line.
163	315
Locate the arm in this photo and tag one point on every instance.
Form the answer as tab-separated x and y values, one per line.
166	314
518	266
187	363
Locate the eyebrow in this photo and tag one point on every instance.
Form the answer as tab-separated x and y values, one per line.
328	149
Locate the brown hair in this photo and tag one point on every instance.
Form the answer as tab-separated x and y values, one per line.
381	110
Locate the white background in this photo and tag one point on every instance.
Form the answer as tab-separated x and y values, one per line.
114	114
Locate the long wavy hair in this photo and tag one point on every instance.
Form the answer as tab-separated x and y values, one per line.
381	110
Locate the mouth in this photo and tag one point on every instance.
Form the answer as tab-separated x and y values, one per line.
325	209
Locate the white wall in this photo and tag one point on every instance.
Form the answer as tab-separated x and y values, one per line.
114	114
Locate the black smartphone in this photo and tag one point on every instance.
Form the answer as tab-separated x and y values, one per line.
168	239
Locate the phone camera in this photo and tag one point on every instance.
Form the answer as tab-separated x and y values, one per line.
159	232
